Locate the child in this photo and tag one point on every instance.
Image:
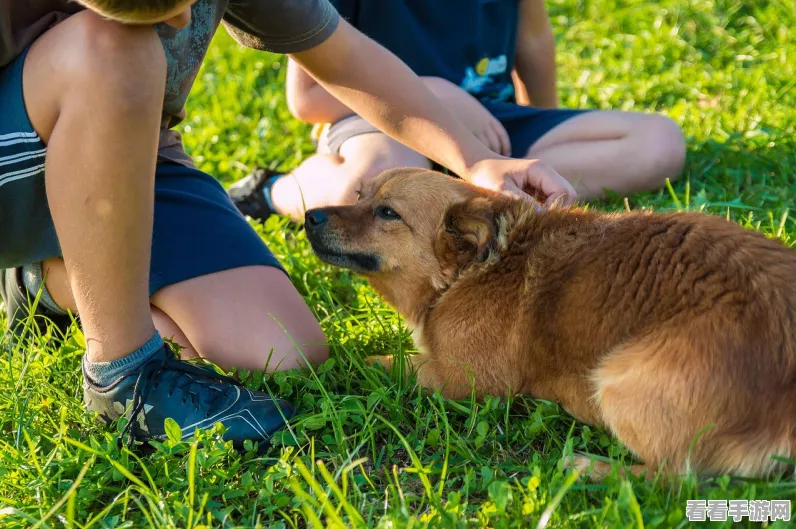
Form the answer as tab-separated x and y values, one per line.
98	196
486	60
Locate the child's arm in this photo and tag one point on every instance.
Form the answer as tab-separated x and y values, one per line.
310	102
535	72
379	87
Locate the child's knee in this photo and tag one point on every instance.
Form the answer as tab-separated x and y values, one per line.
664	142
300	343
87	62
369	155
310	344
124	61
274	329
304	344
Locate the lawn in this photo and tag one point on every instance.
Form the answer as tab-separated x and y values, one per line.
370	451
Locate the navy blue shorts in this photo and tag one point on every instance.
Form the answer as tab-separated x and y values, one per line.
197	228
524	125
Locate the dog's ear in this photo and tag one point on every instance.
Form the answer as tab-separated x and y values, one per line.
468	234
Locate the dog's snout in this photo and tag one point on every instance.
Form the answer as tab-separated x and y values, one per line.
315	219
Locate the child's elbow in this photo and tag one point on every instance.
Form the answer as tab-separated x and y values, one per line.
299	107
308	109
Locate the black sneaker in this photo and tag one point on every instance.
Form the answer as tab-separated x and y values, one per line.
194	397
18	303
249	193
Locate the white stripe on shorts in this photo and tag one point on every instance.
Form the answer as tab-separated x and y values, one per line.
22	157
19	175
15	135
15	142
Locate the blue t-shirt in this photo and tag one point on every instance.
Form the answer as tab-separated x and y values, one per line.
471	43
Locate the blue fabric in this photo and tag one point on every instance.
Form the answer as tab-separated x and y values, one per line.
26	230
197	228
471	43
526	125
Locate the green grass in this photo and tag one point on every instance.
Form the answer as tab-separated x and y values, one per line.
370	451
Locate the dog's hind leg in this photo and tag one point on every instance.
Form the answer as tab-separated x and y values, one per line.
676	401
652	394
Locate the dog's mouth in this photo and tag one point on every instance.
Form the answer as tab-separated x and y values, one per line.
359	262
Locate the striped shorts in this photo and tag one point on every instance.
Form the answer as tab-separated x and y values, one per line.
197	229
26	229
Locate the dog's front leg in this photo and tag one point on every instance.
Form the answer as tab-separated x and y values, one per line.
384	361
422	364
409	362
428	372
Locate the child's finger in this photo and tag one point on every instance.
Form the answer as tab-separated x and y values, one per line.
503	136
548	181
559	199
494	140
511	188
482	137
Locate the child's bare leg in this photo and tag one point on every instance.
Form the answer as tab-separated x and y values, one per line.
330	180
249	317
94	93
623	152
369	155
170	331
57	282
58	287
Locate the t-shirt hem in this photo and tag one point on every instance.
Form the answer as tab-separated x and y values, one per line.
180	158
296	43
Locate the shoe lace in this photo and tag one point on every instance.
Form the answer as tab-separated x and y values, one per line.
148	379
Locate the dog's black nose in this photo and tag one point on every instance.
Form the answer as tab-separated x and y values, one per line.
315	218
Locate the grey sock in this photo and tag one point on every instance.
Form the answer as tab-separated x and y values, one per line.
33	279
106	373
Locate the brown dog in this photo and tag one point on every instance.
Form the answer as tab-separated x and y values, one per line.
675	331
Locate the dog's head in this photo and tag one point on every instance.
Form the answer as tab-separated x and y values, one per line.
411	232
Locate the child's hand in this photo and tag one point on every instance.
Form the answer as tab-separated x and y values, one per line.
472	114
524	179
484	126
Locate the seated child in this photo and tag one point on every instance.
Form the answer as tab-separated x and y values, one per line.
105	216
492	63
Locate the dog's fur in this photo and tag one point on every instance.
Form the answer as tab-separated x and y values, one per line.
675	331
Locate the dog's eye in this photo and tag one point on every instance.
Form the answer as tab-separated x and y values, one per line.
386	213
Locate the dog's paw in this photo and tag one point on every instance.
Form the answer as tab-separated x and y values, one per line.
596	471
383	361
589	469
